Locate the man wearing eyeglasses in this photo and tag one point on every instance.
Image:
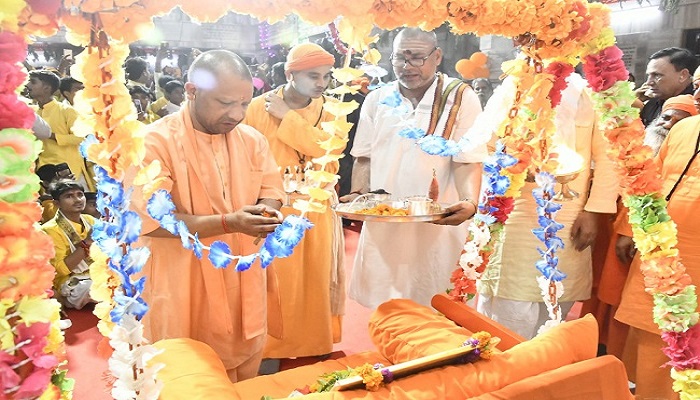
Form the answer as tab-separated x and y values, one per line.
669	74
414	260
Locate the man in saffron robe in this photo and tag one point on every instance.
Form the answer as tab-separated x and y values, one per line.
611	270
222	179
413	260
679	165
311	280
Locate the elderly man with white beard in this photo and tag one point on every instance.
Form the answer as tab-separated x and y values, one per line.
674	110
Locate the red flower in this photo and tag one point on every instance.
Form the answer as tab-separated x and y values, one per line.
560	71
503	205
11	77
14	113
13	48
605	68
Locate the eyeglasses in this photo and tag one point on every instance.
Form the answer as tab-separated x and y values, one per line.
399	61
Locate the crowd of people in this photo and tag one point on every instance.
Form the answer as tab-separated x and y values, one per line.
223	148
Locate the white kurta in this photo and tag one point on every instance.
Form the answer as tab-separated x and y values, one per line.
408	260
511	273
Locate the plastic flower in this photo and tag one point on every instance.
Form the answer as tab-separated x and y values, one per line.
160	204
13	48
14	113
372	378
128	305
605	68
220	254
683	348
245	262
412	132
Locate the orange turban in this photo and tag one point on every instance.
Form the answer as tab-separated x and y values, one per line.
307	55
683	102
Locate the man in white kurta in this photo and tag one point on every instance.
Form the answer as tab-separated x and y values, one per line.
508	290
412	260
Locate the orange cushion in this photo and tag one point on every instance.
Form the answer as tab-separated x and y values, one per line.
192	371
403	330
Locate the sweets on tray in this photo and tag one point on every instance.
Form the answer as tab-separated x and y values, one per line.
383	209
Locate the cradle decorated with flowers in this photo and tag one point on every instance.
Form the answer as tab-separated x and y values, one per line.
558	364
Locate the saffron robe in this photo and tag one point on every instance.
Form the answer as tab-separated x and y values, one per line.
636	305
188	297
311	280
409	260
64	148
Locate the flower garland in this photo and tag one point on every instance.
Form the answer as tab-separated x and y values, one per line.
377	375
106	110
655	236
434	145
32	352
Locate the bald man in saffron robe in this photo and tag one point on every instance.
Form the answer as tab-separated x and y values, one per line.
311	280
222	178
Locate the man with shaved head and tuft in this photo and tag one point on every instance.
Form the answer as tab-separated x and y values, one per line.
224	183
417	260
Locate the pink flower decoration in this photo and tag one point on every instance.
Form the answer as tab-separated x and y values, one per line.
13	48
605	68
46	7
11	77
14	113
683	348
35	384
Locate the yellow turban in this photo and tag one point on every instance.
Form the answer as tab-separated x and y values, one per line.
307	55
683	102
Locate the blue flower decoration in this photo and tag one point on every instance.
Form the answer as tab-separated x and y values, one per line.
160	204
132	305
130	227
412	133
431	144
499	184
245	262
184	235
86	143
393	100
135	259
220	254
197	246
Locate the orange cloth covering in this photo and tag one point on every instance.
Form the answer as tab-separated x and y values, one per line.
188	297
678	148
542	364
609	276
307	55
682	102
312	278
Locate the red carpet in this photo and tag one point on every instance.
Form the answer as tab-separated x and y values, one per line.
89	370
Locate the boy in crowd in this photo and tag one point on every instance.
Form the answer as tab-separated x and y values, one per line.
70	231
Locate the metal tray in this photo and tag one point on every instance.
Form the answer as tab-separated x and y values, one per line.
349	211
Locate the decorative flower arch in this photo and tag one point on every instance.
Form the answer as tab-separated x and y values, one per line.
553	35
